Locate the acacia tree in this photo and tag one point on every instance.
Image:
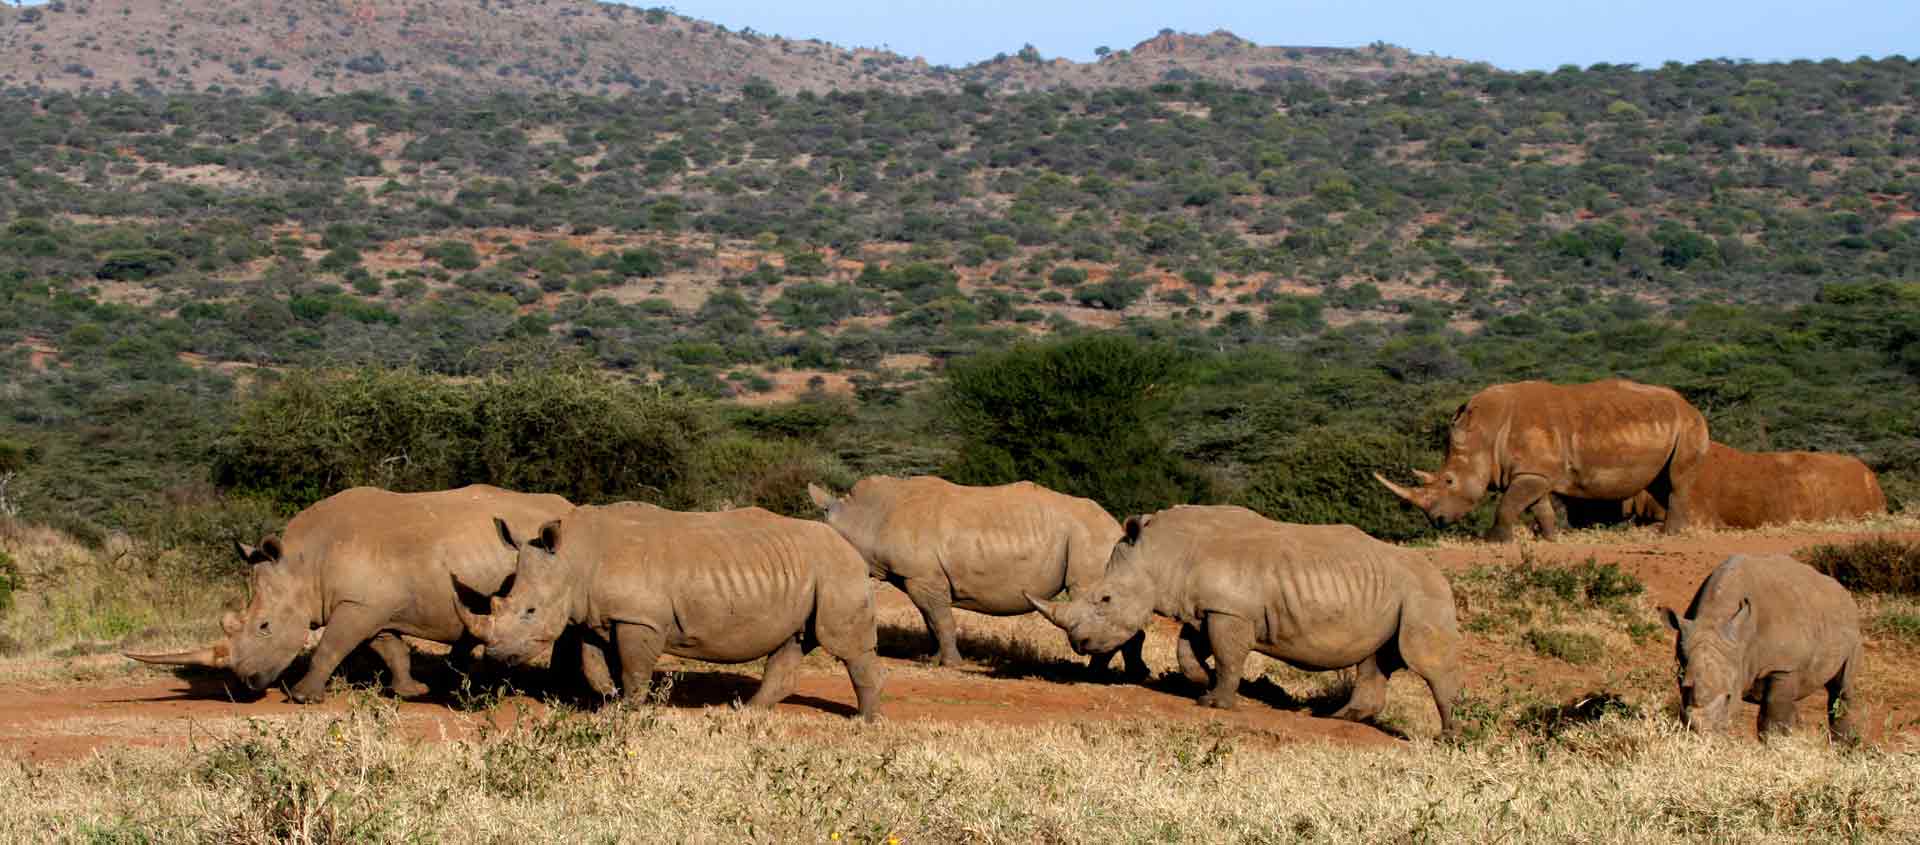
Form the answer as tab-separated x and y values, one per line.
1085	416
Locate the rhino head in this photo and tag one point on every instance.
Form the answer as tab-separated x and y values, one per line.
1114	608
1462	481
1710	658
263	640
523	624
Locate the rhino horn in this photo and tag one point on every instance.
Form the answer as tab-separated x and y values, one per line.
479	624
1424	476
1056	612
211	657
1418	498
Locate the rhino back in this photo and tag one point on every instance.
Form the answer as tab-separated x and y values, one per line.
1804	621
1739	489
991	543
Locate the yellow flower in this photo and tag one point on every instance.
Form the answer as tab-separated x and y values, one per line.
835	836
892	839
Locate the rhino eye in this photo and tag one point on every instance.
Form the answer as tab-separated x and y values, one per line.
1106	599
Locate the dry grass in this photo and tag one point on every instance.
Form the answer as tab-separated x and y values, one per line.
719	775
1905	520
73	601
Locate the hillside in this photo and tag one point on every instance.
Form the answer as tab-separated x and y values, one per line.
572	46
1337	263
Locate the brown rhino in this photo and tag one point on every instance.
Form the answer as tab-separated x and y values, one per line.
725	587
1601	440
370	565
976	548
1316	596
1772	631
1739	489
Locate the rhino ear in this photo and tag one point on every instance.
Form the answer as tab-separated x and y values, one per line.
821	498
1673	619
245	551
1740	624
549	539
506	533
269	551
1134	526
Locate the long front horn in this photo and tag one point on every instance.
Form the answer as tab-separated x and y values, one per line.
211	657
1053	612
479	624
1424	476
1413	497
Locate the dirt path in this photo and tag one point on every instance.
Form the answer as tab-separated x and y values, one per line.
60	722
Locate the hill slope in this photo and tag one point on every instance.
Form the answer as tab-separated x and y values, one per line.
560	45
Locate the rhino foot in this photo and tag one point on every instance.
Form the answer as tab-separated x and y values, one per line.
1218	702
410	689
302	694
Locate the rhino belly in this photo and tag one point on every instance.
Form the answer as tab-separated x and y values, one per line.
1326	640
746	631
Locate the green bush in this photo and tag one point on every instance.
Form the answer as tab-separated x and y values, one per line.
9	582
136	264
1325	476
1084	416
1571	646
1878	565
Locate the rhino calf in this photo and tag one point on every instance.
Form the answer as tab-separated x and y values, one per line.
982	549
1771	630
724	587
1315	596
370	566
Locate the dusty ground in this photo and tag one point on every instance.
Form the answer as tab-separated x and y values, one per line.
1024	676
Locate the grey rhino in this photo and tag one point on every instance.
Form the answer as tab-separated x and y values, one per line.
1601	440
370	565
1771	630
1316	596
982	549
725	587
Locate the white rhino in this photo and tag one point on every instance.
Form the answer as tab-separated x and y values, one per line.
1771	630
1316	596
726	587
982	549
369	565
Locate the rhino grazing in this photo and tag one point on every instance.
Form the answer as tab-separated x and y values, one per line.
724	587
982	549
1601	440
370	565
1739	489
1315	596
1771	630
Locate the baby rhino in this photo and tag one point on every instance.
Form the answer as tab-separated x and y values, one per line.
1771	630
1316	596
726	587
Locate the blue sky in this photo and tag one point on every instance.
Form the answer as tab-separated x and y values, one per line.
1512	34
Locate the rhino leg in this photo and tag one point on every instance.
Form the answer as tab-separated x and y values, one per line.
347	627
1546	522
593	664
844	626
399	659
1192	653
1429	644
1841	715
1369	695
1519	499
1777	706
934	598
1133	654
1231	639
777	682
640	647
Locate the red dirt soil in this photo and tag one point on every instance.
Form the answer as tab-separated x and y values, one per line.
54	722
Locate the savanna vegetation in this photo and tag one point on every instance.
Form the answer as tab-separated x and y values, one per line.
216	309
